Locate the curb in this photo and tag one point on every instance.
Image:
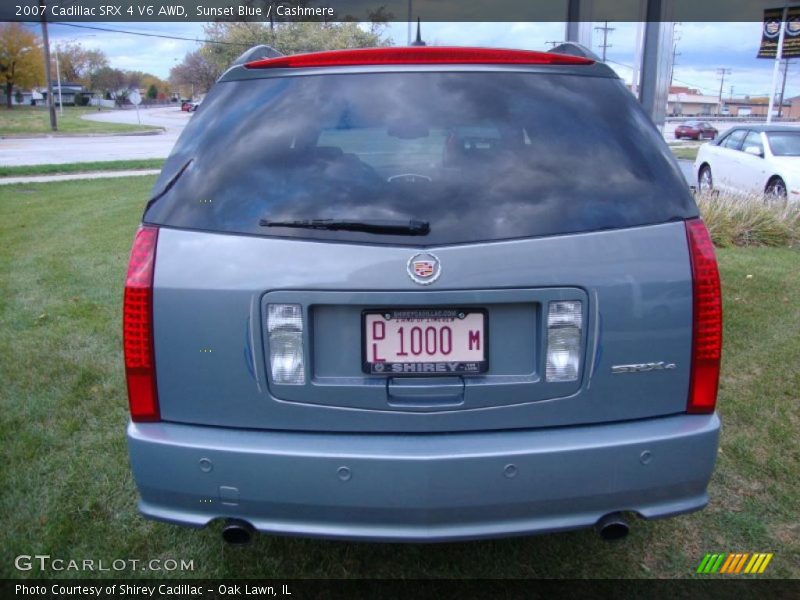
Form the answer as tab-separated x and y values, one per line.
36	136
23	179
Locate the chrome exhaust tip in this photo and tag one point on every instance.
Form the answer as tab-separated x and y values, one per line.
612	527
237	533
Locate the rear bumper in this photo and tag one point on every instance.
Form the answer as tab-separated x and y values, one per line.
423	487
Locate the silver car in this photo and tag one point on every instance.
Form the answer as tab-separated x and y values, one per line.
421	294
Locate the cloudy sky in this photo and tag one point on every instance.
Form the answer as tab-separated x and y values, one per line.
702	48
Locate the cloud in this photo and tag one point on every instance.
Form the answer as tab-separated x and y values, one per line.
134	52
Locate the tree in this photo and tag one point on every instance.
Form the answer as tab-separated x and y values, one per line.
21	62
152	92
289	38
149	80
78	64
108	81
195	70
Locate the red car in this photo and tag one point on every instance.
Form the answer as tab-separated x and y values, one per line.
696	130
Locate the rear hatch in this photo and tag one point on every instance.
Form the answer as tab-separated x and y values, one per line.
420	249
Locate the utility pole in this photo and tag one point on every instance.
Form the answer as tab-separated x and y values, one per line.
675	37
675	54
605	29
58	78
46	40
722	72
783	86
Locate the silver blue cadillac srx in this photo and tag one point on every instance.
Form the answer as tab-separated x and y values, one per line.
421	294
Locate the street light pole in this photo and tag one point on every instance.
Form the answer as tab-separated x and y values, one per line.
58	78
46	41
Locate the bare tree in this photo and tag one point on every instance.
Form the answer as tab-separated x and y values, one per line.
195	70
78	64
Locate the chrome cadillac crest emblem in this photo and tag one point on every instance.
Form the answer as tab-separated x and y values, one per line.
424	268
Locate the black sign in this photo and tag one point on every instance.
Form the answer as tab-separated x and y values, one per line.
772	30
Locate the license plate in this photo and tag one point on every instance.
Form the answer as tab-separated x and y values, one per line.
424	341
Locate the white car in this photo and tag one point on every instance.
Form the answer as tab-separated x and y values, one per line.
758	160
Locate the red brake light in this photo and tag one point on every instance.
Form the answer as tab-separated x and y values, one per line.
137	327
418	55
707	320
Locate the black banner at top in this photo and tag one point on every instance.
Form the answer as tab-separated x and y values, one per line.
772	29
384	10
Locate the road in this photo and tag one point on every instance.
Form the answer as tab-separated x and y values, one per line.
70	149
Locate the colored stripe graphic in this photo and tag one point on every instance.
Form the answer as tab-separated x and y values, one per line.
717	564
731	560
741	562
765	563
703	563
734	562
753	560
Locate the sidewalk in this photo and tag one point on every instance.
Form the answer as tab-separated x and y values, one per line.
72	176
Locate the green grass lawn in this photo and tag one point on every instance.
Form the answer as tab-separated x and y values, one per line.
82	167
684	152
22	120
67	490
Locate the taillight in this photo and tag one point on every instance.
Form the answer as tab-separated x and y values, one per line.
707	320
417	55
137	327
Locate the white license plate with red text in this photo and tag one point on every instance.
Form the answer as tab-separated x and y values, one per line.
424	341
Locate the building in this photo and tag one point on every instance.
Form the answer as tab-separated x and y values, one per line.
68	93
21	97
754	107
689	102
793	110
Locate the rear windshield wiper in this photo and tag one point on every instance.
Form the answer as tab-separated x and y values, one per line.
410	227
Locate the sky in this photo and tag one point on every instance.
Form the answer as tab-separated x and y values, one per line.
702	48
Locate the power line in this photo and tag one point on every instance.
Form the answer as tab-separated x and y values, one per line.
156	35
689	83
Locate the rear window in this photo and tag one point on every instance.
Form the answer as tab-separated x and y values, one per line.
479	156
785	143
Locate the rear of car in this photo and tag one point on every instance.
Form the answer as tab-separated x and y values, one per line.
696	130
421	294
762	159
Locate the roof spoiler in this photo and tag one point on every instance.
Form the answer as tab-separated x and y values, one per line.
575	49
256	53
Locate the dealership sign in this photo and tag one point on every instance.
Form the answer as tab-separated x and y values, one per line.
772	29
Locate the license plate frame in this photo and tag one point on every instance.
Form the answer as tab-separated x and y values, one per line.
438	368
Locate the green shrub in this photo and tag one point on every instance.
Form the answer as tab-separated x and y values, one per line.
750	220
